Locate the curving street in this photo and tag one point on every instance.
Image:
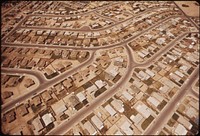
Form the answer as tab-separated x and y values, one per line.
45	85
135	86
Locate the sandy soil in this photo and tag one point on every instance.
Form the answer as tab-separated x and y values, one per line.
192	10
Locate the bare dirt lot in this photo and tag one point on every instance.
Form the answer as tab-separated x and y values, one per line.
189	7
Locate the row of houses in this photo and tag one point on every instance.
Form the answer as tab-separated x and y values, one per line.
31	62
151	42
43	39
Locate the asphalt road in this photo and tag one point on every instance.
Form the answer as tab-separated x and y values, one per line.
194	93
88	48
79	30
16	6
24	19
158	54
67	124
166	113
38	75
62	128
45	85
19	99
187	16
105	28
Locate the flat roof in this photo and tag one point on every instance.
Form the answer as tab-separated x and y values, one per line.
153	101
59	107
81	96
99	83
136	119
37	124
92	88
127	95
97	122
88	126
126	128
110	110
180	130
118	133
48	119
144	110
118	105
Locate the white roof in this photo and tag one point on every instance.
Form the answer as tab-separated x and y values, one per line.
190	57
149	72
176	52
89	33
151	47
39	32
153	101
184	68
149	21
47	118
179	73
97	122
127	95
185	122
90	128
99	83
94	25
107	21
124	24
96	33
180	130
182	45
92	88
81	96
59	107
18	133
164	89
149	36
190	46
119	59
175	77
171	57
126	128
144	110
141	54
136	119
76	133
110	110
194	104
67	18
169	34
160	41
118	105
108	31
53	32
191	112
118	133
143	76
167	82
137	83
145	52
192	38
113	72
158	96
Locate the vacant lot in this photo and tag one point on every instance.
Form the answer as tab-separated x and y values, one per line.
189	7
